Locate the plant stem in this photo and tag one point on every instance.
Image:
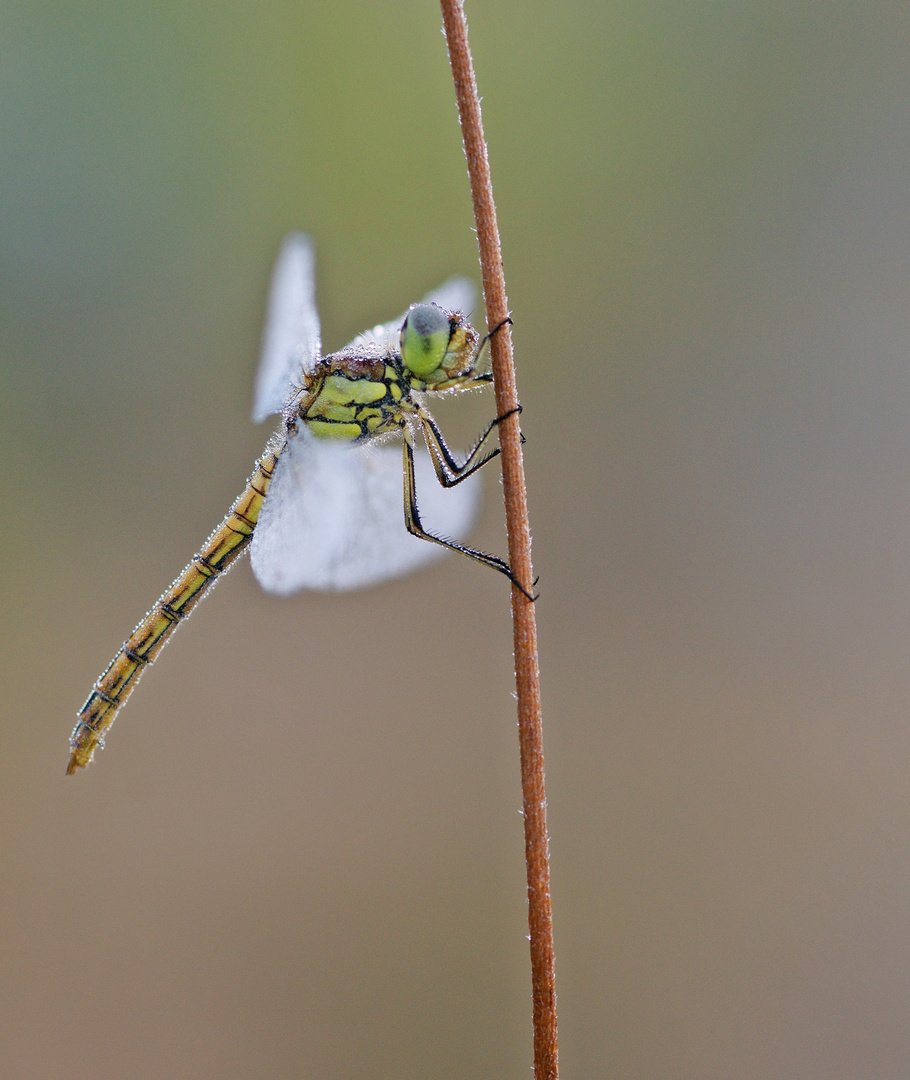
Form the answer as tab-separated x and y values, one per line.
527	673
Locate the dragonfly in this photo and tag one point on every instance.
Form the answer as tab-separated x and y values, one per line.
322	509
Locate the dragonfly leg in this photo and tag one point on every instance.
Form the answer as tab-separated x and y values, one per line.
447	468
415	528
507	321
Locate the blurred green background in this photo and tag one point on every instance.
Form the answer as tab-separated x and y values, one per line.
301	853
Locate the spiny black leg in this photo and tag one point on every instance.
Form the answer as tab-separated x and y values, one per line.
415	528
447	468
442	456
507	321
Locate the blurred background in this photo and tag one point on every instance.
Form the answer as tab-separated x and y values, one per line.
300	854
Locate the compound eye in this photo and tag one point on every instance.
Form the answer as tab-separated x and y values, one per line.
424	339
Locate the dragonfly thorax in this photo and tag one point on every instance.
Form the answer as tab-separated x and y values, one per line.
350	397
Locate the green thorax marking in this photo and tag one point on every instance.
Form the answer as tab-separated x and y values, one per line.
350	397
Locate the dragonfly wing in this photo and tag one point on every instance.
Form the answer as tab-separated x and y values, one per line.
334	518
456	294
290	342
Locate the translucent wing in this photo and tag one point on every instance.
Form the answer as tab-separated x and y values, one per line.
290	342
456	294
334	516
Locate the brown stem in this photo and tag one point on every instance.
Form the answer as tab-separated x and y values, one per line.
527	674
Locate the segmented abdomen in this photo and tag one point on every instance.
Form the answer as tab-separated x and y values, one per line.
219	552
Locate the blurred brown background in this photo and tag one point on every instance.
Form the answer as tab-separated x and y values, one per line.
300	854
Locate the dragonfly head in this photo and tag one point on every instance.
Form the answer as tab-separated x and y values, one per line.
437	346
